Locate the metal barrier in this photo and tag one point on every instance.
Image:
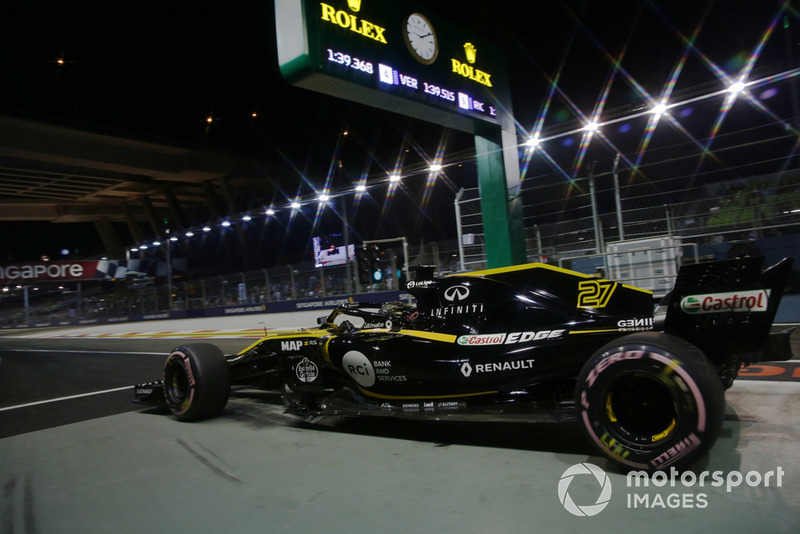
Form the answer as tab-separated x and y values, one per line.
662	282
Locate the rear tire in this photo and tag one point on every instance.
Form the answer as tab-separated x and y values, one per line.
196	381
650	401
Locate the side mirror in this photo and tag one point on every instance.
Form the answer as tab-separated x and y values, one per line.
322	320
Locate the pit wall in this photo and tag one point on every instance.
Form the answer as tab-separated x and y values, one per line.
322	304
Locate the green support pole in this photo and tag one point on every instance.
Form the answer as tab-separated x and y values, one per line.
499	182
483	107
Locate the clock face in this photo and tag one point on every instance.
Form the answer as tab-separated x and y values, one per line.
421	39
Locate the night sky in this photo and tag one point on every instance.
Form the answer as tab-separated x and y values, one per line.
155	70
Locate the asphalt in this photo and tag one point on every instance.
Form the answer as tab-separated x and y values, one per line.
256	469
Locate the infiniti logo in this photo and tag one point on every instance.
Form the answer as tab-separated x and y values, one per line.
456	293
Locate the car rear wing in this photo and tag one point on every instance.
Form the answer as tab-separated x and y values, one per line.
727	309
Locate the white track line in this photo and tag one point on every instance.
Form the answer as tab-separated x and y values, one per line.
8	408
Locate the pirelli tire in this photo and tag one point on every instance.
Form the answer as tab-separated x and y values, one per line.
650	401
197	381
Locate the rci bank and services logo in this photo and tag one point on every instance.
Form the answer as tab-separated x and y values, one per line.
604	488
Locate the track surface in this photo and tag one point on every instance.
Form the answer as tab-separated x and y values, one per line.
77	456
56	377
45	383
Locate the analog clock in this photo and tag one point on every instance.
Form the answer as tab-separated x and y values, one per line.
421	38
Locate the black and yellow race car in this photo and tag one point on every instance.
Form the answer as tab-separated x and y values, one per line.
526	343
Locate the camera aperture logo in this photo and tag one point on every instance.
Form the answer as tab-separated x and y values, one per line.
590	509
658	490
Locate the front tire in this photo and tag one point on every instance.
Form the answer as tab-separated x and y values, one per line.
650	401
196	381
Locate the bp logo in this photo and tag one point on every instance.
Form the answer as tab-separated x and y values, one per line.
590	509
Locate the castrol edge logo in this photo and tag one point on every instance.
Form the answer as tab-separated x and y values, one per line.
736	301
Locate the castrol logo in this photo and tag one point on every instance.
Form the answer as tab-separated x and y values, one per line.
737	301
482	339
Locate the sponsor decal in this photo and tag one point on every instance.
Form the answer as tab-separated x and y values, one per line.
462	309
467	70
289	346
481	339
155	316
418	283
383	372
45	271
456	293
614	358
524	337
187	365
635	325
321	303
359	368
680	449
347	21
392	378
378	324
508	339
494	367
306	371
427	406
735	301
245	309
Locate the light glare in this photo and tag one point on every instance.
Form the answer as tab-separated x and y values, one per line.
660	108
736	87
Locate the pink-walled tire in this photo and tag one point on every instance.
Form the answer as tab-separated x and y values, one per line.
650	401
196	381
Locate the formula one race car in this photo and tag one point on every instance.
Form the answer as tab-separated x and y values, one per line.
527	343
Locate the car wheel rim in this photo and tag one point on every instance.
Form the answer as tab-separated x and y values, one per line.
176	384
641	409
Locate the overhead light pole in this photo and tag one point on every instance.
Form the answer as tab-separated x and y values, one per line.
169	271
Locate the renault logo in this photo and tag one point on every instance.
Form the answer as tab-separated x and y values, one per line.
456	293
